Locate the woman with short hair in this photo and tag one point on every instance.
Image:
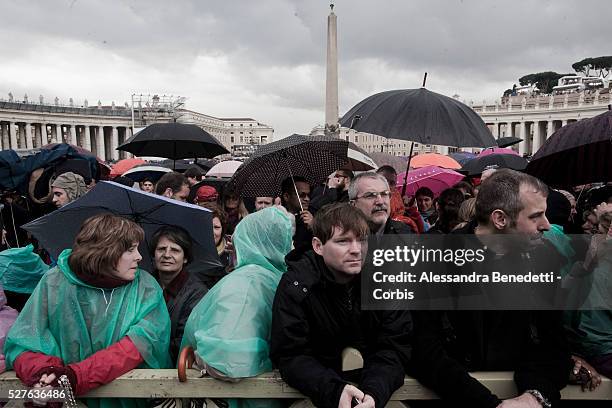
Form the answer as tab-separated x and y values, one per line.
93	317
172	249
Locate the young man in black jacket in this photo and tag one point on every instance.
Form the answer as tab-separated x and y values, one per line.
448	345
317	313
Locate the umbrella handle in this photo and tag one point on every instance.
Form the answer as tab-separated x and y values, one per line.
407	169
295	187
185	361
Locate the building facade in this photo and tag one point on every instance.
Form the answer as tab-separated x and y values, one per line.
101	129
535	118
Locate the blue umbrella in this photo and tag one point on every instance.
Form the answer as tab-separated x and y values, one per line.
56	231
462	157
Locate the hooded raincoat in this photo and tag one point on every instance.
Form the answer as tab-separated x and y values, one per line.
230	327
72	320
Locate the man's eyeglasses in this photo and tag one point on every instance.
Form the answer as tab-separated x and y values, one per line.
372	195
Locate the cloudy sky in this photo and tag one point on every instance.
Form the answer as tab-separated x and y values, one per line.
266	58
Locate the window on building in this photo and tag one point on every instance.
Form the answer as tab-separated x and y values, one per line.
232	124
416	145
241	132
347	138
231	133
241	125
232	139
356	139
264	139
241	139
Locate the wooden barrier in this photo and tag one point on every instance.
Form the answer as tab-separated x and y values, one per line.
145	383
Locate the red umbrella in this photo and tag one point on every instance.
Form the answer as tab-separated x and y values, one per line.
124	165
434	159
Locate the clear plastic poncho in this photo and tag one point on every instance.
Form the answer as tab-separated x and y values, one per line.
230	327
70	319
21	269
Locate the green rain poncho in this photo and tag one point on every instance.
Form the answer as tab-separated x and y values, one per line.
230	327
70	319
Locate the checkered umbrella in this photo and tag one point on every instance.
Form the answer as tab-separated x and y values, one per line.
311	157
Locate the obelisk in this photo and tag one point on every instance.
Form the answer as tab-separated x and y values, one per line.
331	79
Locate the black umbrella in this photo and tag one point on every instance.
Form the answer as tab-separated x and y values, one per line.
576	154
57	230
173	141
508	141
146	171
311	157
479	164
421	116
217	183
182	165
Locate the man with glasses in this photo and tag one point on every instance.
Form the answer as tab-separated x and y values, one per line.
370	193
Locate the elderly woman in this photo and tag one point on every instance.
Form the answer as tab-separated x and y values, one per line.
67	187
172	249
93	317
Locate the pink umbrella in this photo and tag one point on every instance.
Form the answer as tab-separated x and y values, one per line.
435	178
497	150
224	169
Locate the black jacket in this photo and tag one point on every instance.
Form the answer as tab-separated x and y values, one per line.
179	309
396	227
328	196
450	344
314	319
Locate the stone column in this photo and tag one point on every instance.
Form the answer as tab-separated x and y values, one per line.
549	129
100	143
73	139
537	141
524	145
114	143
4	137
38	142
511	130
496	130
12	135
28	136
43	133
21	135
87	139
59	134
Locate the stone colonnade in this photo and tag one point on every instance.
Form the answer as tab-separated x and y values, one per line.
533	132
100	140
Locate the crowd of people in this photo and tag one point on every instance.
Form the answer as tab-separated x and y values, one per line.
289	297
